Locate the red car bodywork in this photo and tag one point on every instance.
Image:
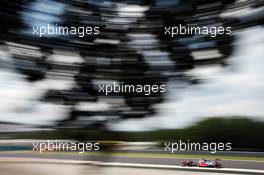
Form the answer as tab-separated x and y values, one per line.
209	163
203	163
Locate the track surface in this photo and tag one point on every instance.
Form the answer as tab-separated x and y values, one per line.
258	165
60	169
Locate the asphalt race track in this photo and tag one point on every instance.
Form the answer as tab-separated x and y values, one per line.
241	164
62	169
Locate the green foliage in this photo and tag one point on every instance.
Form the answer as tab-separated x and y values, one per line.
243	133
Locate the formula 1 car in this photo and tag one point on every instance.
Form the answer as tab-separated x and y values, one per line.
203	163
209	163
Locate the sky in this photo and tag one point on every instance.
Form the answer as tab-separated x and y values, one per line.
234	90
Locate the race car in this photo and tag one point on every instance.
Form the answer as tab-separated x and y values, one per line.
209	163
203	163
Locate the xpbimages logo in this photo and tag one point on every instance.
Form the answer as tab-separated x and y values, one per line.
79	31
146	89
212	147
80	147
211	31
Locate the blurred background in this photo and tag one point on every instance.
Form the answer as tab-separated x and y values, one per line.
214	86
